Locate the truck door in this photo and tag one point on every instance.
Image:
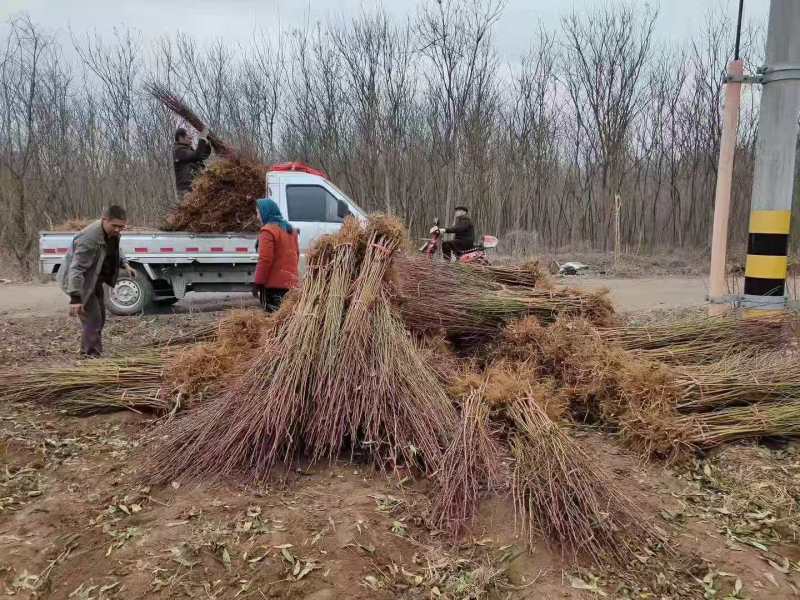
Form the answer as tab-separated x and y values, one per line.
314	211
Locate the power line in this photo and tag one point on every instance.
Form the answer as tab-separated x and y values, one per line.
738	31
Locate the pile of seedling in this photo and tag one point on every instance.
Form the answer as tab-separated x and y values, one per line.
223	195
346	375
155	379
470	378
222	198
706	391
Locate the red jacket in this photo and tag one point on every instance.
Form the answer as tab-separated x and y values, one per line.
278	258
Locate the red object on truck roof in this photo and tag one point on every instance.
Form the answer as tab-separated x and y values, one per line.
298	166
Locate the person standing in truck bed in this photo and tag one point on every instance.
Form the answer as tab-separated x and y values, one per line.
94	259
188	161
277	270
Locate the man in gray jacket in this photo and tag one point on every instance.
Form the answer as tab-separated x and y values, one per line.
94	259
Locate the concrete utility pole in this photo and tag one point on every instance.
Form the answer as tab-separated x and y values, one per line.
773	183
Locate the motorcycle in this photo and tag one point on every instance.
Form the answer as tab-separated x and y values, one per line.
475	256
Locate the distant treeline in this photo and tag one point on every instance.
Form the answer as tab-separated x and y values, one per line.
408	117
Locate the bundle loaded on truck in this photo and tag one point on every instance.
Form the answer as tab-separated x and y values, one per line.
169	264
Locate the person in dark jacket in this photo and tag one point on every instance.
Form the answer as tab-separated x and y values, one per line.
188	161
463	234
94	259
277	270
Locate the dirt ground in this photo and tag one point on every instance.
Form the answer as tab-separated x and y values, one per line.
47	299
77	519
44	300
34	322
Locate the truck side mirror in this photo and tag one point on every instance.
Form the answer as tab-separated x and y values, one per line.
341	209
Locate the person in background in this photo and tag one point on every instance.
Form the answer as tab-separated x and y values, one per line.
94	259
463	234
278	256
188	161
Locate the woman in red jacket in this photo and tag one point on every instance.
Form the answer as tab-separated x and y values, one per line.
278	256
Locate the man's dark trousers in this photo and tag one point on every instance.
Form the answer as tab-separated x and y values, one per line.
93	319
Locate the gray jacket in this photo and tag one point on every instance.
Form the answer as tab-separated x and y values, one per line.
82	264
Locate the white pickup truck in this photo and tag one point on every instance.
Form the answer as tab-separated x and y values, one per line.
170	264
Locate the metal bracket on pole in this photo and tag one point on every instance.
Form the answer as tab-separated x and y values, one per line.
761	302
746	79
765	75
779	73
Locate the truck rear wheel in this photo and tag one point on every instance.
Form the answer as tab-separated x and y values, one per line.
130	296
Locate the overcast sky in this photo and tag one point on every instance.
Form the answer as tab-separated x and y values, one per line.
236	20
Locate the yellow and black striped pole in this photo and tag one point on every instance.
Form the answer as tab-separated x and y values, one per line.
765	270
774	174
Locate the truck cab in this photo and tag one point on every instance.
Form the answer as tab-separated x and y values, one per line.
309	201
171	264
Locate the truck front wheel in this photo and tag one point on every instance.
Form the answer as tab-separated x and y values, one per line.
130	296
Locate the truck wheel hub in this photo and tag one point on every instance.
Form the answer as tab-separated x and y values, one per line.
126	293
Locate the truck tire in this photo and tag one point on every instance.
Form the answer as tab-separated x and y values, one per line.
131	296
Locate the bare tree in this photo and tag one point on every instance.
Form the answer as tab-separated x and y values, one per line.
606	54
34	117
407	117
456	40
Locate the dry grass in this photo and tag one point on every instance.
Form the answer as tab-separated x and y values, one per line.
200	368
244	327
502	382
648	421
585	370
197	368
752	481
561	492
223	199
601	383
439	355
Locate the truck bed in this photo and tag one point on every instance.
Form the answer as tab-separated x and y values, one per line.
159	247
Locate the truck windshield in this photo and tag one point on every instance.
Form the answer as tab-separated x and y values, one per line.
356	208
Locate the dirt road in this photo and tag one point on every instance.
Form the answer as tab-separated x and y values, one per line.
43	300
632	295
34	322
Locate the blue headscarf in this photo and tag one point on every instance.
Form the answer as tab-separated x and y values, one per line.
270	213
